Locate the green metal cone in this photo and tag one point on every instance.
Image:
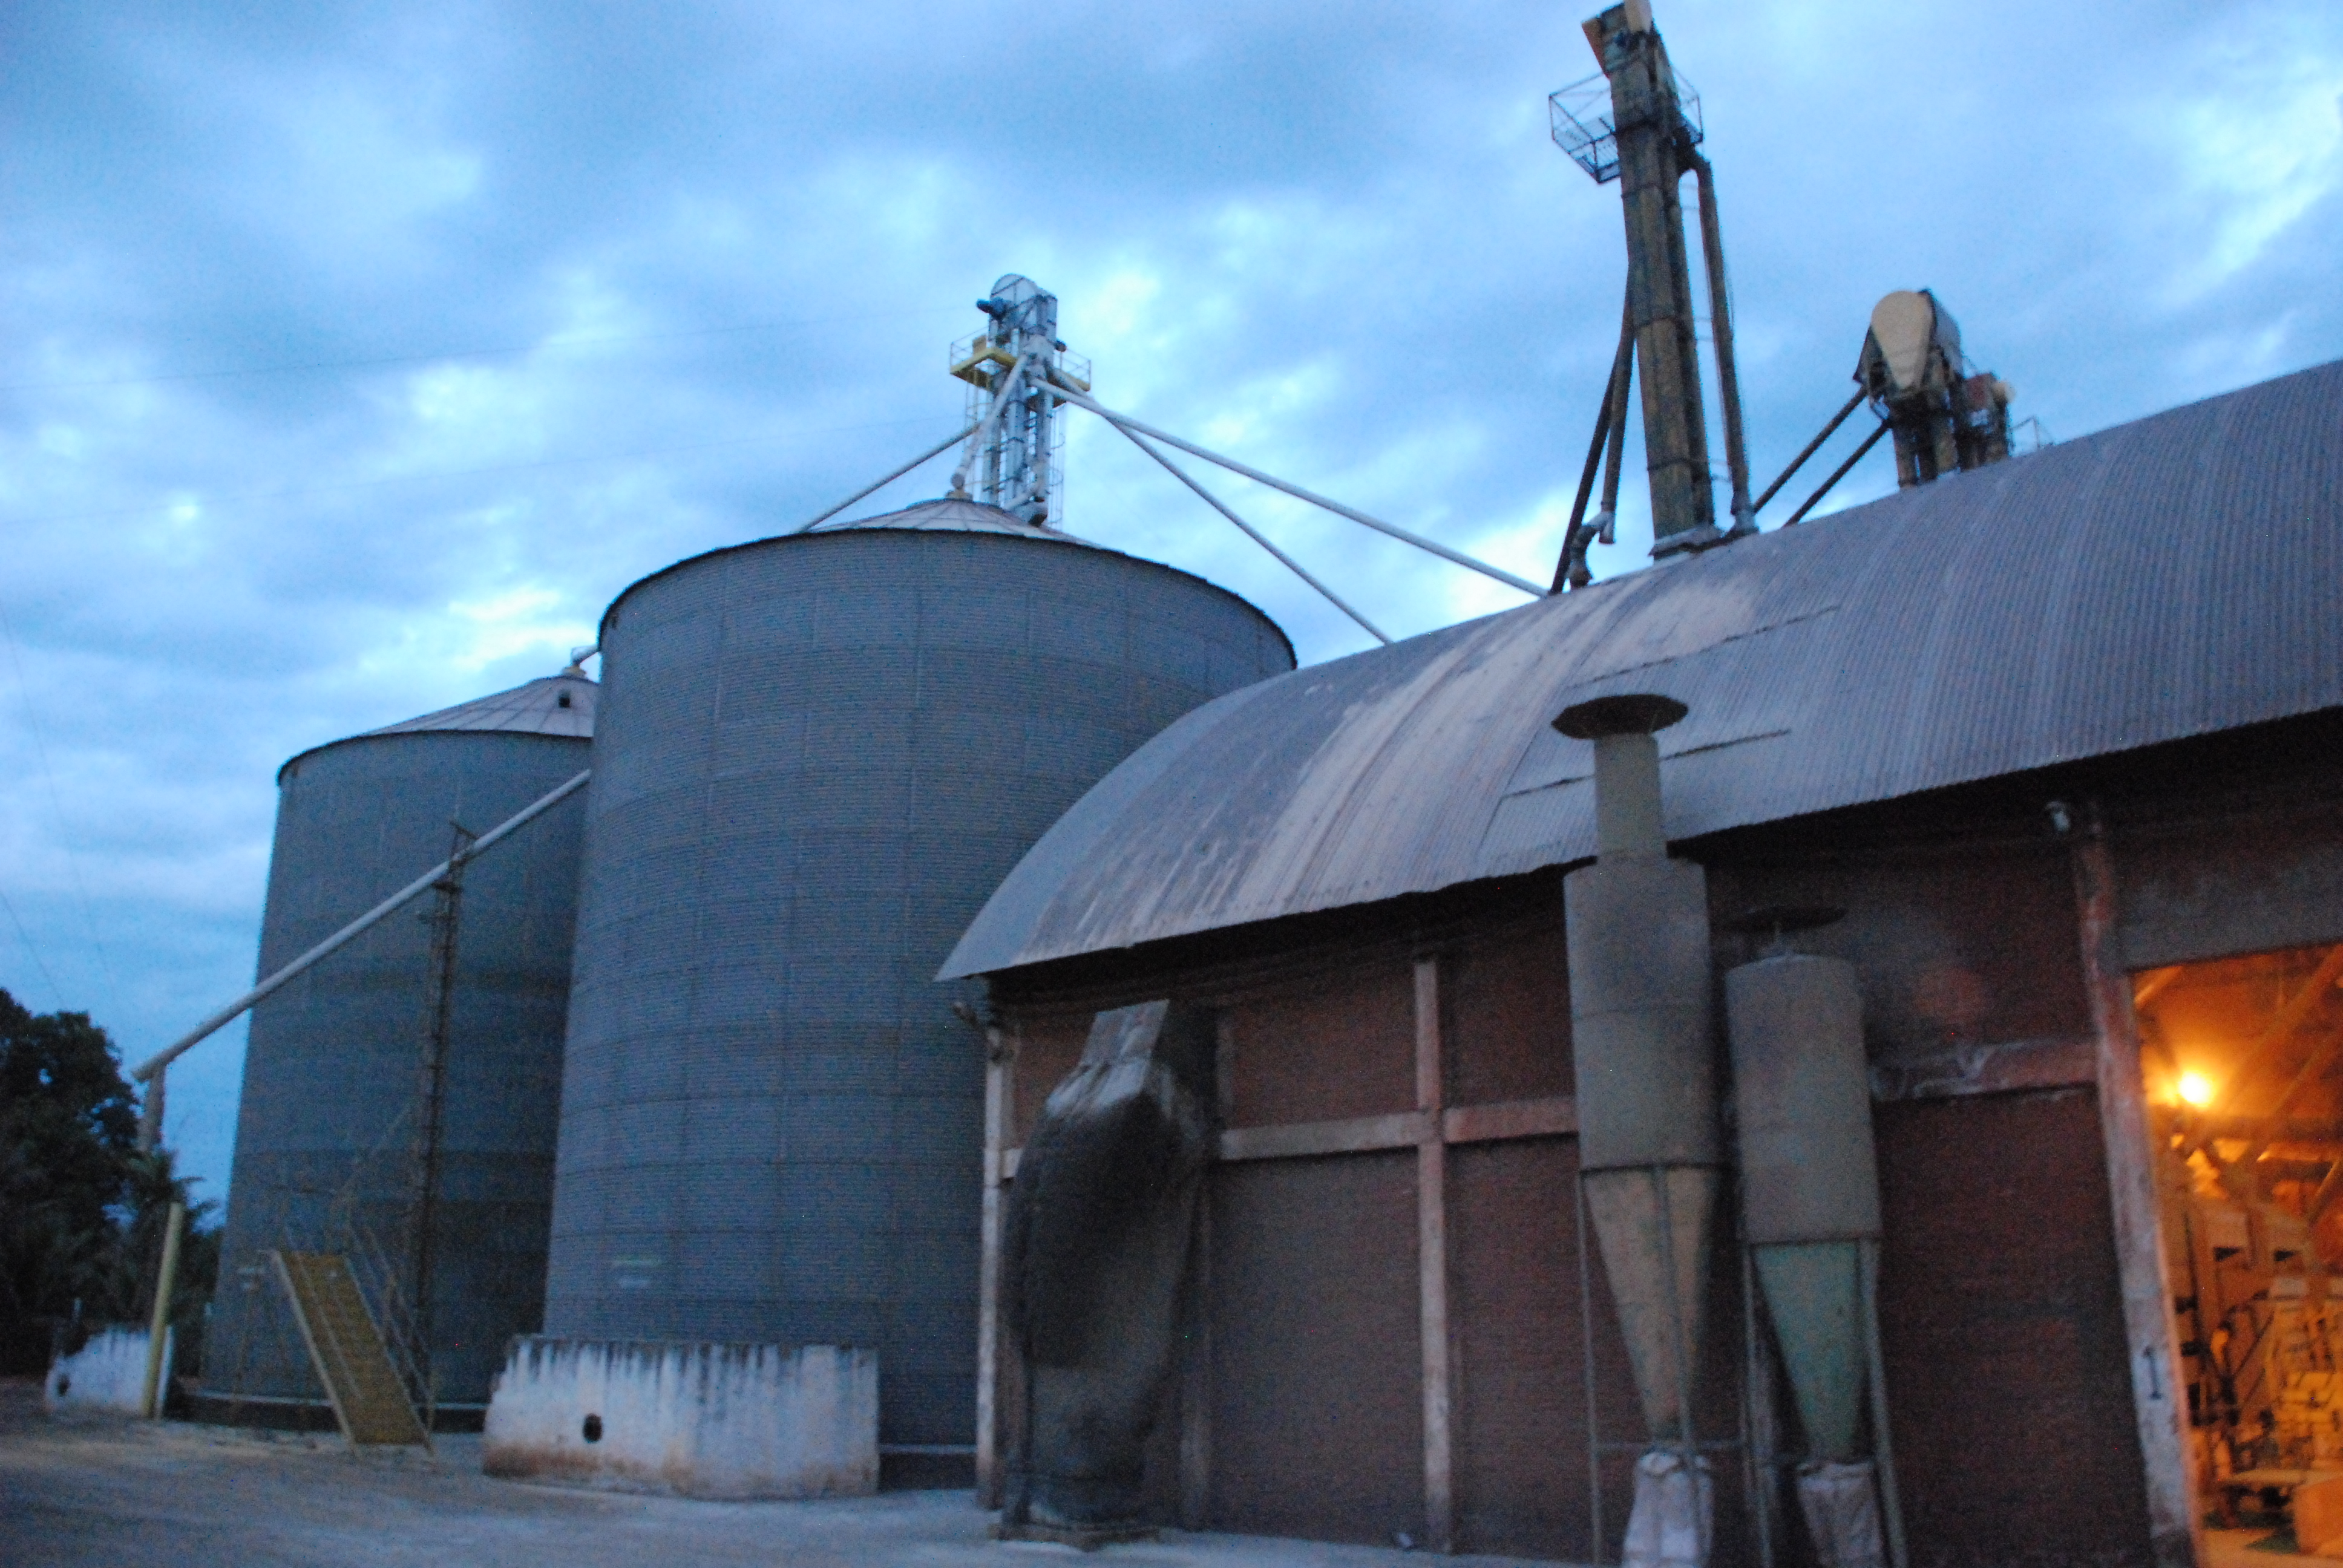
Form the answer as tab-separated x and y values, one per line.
1813	1292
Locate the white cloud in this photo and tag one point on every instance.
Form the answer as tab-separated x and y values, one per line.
2257	148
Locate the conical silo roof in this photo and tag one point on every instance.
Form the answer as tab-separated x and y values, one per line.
559	704
956	515
562	706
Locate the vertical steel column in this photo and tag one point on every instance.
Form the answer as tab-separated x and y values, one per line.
1759	1437
999	1086
155	1397
445	921
1584	1235
2175	1525
1196	1373
150	1114
1883	1437
1432	1263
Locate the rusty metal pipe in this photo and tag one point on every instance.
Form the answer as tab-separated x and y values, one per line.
1571	571
1839	473
1720	321
1613	419
1811	449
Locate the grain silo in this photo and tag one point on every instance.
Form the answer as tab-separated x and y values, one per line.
819	754
330	1139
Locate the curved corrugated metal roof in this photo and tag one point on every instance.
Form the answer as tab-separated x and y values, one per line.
2169	577
561	705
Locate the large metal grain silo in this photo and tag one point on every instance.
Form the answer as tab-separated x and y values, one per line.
330	1141
818	756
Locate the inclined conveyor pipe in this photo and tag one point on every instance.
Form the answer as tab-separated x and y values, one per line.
151	1071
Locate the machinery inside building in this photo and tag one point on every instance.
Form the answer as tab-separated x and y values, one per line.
2243	1061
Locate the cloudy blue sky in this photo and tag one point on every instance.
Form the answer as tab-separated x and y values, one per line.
353	358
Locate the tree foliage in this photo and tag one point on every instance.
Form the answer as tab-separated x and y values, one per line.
82	1210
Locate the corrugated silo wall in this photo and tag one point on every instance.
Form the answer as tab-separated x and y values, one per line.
333	1066
815	759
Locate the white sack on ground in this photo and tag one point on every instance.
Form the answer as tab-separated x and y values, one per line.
109	1373
1841	1502
1674	1508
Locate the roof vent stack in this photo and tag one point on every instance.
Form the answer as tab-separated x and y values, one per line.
1945	414
1011	367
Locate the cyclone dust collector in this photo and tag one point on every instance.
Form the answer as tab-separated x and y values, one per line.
1650	1159
1810	1217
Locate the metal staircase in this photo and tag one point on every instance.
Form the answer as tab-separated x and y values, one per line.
355	1360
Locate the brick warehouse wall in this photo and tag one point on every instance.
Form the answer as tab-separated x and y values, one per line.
2004	1337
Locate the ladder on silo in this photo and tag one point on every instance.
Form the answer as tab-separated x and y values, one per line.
346	1346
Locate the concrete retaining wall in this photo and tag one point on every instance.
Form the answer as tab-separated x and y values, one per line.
109	1373
698	1420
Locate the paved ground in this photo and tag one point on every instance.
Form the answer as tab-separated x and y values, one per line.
126	1495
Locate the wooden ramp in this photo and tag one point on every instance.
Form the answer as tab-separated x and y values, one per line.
347	1347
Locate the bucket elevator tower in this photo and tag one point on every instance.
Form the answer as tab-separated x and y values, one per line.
1010	368
1639	123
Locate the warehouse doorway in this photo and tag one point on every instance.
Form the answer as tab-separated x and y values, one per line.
2243	1058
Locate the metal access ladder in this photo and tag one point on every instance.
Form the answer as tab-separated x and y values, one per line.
370	1400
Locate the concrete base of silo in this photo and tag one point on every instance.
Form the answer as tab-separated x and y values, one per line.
694	1419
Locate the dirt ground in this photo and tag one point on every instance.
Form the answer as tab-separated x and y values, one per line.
126	1495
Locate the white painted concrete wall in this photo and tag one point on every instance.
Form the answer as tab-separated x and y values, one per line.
109	1373
698	1420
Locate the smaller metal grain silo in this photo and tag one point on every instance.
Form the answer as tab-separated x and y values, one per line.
328	1149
